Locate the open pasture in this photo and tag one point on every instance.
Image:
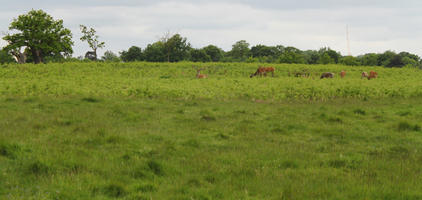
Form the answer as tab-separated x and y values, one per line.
154	131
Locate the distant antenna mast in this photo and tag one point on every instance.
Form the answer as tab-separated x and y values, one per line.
348	41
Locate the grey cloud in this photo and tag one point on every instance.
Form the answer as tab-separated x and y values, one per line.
375	25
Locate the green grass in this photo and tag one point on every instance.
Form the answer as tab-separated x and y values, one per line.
130	148
153	131
226	81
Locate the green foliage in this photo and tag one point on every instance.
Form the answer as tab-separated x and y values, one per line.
155	52
385	59
240	51
216	54
262	50
199	55
334	56
326	59
176	48
5	57
292	55
370	59
134	53
349	60
170	49
41	34
109	56
311	56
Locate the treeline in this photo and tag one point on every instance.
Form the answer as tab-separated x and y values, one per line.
50	41
177	49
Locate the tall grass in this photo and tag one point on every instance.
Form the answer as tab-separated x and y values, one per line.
226	81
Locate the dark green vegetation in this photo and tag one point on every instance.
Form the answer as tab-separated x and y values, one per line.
129	148
154	131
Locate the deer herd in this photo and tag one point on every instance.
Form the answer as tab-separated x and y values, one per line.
262	71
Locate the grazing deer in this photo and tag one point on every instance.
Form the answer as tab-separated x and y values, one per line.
342	73
263	71
327	75
199	75
364	75
372	74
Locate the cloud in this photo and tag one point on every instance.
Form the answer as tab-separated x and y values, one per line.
374	25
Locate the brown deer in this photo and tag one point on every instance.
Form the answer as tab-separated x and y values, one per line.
263	71
372	74
327	75
364	75
342	73
199	75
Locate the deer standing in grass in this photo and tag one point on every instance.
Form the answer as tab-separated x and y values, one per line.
342	73
263	71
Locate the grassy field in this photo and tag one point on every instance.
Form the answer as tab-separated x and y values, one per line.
153	131
226	81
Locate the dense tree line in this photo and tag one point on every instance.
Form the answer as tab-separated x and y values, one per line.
39	38
241	52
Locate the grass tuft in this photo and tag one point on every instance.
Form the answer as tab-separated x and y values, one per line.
289	164
9	150
115	190
406	126
146	188
90	99
359	111
156	167
39	168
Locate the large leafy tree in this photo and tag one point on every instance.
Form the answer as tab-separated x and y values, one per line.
155	52
369	59
199	55
349	60
40	34
240	50
176	47
262	50
328	56
90	36
311	56
214	52
388	59
134	53
291	55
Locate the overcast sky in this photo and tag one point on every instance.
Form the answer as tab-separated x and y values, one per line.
374	25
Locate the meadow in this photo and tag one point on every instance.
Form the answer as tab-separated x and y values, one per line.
154	131
226	81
